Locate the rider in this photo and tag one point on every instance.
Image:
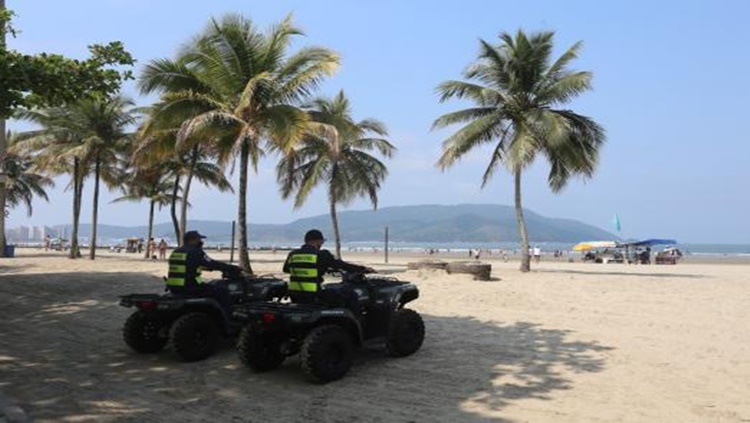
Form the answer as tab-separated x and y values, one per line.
307	265
185	267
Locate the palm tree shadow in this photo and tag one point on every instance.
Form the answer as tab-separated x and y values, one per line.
486	367
629	274
467	369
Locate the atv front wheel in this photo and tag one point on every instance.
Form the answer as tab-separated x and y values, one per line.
142	333
326	353
405	333
261	353
194	336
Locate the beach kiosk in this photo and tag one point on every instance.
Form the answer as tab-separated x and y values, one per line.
642	251
132	245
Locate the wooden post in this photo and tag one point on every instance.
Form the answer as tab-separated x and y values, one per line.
386	244
231	252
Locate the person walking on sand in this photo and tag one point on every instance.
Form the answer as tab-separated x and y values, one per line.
162	249
537	254
151	248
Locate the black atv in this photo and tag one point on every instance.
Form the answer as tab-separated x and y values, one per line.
192	324
325	335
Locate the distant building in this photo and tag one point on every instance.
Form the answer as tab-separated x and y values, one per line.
40	232
24	233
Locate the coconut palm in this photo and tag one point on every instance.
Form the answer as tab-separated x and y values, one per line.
242	83
22	182
148	184
54	148
519	92
102	123
336	153
158	148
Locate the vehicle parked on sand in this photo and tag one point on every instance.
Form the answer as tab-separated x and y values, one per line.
324	335
192	324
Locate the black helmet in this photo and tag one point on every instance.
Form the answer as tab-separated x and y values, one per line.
314	235
191	235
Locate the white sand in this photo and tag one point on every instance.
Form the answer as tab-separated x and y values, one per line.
565	343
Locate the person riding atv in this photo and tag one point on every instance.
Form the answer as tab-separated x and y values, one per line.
308	264
185	267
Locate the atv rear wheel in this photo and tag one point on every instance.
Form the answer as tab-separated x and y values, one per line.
326	353
405	333
142	333
261	353
194	336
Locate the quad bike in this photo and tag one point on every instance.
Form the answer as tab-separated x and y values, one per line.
192	324
324	335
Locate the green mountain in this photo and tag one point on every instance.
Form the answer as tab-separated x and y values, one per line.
424	223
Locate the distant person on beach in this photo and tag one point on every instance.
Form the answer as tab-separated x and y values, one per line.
151	248
537	254
47	242
162	249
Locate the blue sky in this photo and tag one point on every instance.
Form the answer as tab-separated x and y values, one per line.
670	85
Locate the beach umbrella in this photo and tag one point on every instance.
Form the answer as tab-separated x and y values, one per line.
591	245
582	247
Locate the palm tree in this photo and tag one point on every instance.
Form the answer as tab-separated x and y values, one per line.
336	153
102	124
243	84
158	147
54	149
22	182
149	184
518	91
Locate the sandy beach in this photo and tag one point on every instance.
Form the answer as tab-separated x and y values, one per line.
568	342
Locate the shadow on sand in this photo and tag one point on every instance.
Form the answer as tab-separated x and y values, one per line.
631	274
62	358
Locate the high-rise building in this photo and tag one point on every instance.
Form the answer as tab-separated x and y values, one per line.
40	232
24	233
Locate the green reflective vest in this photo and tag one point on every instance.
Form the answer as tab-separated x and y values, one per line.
178	270
304	273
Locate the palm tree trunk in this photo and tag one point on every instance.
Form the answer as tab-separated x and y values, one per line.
150	224
95	213
173	210
525	257
2	153
242	208
77	191
335	221
185	195
3	147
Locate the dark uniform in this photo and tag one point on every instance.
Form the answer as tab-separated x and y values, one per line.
307	265
186	264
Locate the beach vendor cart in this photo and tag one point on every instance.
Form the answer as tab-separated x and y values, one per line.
132	245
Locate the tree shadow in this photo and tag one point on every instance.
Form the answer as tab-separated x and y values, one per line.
62	358
632	274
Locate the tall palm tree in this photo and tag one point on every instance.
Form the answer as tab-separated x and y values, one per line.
158	147
150	184
102	124
518	93
336	153
55	149
244	84
22	182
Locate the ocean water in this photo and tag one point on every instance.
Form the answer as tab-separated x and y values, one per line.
696	249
